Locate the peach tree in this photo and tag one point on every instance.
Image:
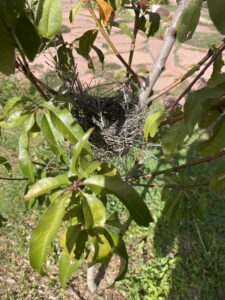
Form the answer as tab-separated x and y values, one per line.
71	182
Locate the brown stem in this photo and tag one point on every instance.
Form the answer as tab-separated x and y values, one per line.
172	186
135	31
200	74
183	77
180	167
110	43
159	64
13	178
15	156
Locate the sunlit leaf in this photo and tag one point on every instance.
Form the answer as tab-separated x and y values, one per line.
45	185
49	17
152	123
74	11
127	195
81	145
67	268
44	234
94	211
65	123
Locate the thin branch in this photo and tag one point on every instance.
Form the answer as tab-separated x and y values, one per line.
15	156
135	31
14	178
110	43
170	121
183	77
200	74
172	186
175	169
159	65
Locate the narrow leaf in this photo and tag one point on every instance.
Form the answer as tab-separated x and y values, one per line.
44	234
127	195
46	185
65	123
152	123
81	145
67	268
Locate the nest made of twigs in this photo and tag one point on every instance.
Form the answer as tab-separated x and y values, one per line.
114	115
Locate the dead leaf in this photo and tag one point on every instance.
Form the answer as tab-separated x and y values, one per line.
105	10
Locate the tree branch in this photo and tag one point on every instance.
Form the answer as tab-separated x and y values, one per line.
13	178
110	43
200	74
175	169
159	65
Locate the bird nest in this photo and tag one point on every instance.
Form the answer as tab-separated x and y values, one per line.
114	114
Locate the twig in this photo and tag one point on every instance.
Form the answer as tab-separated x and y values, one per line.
200	74
135	31
13	178
183	77
15	156
171	121
192	163
110	43
159	65
172	186
200	237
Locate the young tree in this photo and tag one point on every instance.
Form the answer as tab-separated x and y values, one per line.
75	187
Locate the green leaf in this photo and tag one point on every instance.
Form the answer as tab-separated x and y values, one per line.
127	195
154	20
25	162
198	104
188	21
217	76
44	234
218	179
49	17
86	41
65	58
103	244
64	122
46	185
27	36
216	141
78	148
67	268
126	30
217	14
14	119
121	251
152	123
94	211
72	234
74	11
81	244
50	134
100	54
5	163
173	138
7	53
10	104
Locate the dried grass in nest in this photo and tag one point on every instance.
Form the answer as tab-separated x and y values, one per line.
113	112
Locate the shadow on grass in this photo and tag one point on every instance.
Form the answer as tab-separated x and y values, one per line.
199	271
